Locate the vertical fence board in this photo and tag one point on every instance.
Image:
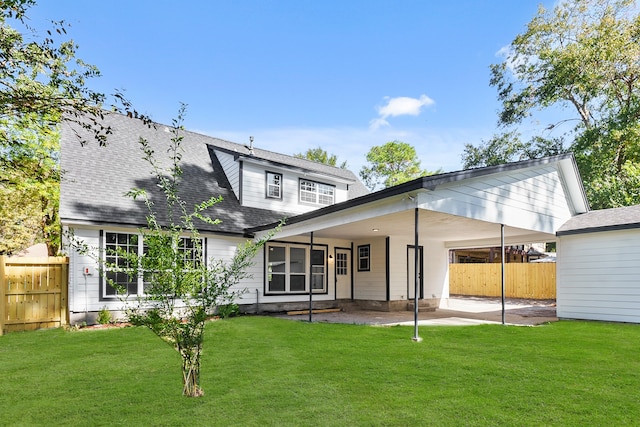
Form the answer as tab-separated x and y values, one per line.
3	298
522	280
34	293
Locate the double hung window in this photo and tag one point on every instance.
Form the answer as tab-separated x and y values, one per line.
364	258
316	193
121	250
288	268
274	185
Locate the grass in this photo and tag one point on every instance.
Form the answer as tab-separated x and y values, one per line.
272	372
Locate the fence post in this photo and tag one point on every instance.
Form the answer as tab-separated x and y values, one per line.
3	302
64	293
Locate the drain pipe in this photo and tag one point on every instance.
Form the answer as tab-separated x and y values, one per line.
257	301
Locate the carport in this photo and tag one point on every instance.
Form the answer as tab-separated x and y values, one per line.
516	203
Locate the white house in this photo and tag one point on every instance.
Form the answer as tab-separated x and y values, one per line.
361	246
598	269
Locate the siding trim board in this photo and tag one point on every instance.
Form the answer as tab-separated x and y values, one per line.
599	229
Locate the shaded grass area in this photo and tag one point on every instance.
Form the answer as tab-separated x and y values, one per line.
266	372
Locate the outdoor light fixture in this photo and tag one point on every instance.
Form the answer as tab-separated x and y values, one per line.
375	229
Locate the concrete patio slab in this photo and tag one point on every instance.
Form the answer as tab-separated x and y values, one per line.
460	311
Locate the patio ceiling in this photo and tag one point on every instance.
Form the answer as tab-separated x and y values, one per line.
454	230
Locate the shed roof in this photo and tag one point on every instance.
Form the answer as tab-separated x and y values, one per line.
623	218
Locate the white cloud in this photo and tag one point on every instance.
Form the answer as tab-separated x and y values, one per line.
400	106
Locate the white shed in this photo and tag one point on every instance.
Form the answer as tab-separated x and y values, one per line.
598	269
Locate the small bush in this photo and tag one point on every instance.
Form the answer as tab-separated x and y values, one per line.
228	310
104	317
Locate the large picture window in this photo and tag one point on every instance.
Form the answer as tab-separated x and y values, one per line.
316	193
120	249
274	185
288	268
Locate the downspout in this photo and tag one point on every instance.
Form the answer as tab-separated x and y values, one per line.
257	301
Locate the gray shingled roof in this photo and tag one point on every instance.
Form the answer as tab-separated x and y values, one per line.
96	178
602	220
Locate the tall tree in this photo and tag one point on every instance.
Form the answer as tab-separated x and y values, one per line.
391	164
582	60
321	156
41	83
508	147
29	184
41	74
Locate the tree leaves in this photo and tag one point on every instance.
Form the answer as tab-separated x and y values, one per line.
580	60
391	164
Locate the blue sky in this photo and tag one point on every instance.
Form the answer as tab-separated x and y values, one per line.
295	74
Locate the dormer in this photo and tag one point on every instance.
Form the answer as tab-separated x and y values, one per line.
266	180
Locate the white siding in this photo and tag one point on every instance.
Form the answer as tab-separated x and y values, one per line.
372	284
83	290
254	189
598	276
435	268
231	169
529	199
398	269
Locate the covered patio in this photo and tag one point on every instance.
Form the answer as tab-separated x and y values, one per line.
511	204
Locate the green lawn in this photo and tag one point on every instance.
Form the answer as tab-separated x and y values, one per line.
272	372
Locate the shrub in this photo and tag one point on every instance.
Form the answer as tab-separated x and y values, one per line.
228	310
104	316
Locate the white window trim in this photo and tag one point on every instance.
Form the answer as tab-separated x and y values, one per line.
270	185
140	278
317	192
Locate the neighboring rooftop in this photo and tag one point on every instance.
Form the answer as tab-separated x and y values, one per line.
623	218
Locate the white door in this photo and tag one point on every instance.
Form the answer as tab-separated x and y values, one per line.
343	273
411	275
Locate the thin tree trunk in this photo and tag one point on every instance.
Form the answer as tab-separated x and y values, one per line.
191	371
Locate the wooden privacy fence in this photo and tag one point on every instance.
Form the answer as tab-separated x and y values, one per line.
33	293
522	280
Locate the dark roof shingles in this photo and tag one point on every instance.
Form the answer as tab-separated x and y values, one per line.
602	220
96	178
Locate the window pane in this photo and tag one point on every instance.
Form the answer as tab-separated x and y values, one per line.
276	283
341	264
317	257
297	260
297	283
277	259
317	281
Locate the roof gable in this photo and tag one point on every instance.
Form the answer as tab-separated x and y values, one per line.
564	195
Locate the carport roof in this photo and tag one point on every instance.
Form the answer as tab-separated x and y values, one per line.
571	178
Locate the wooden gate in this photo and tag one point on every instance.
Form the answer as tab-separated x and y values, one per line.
33	293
